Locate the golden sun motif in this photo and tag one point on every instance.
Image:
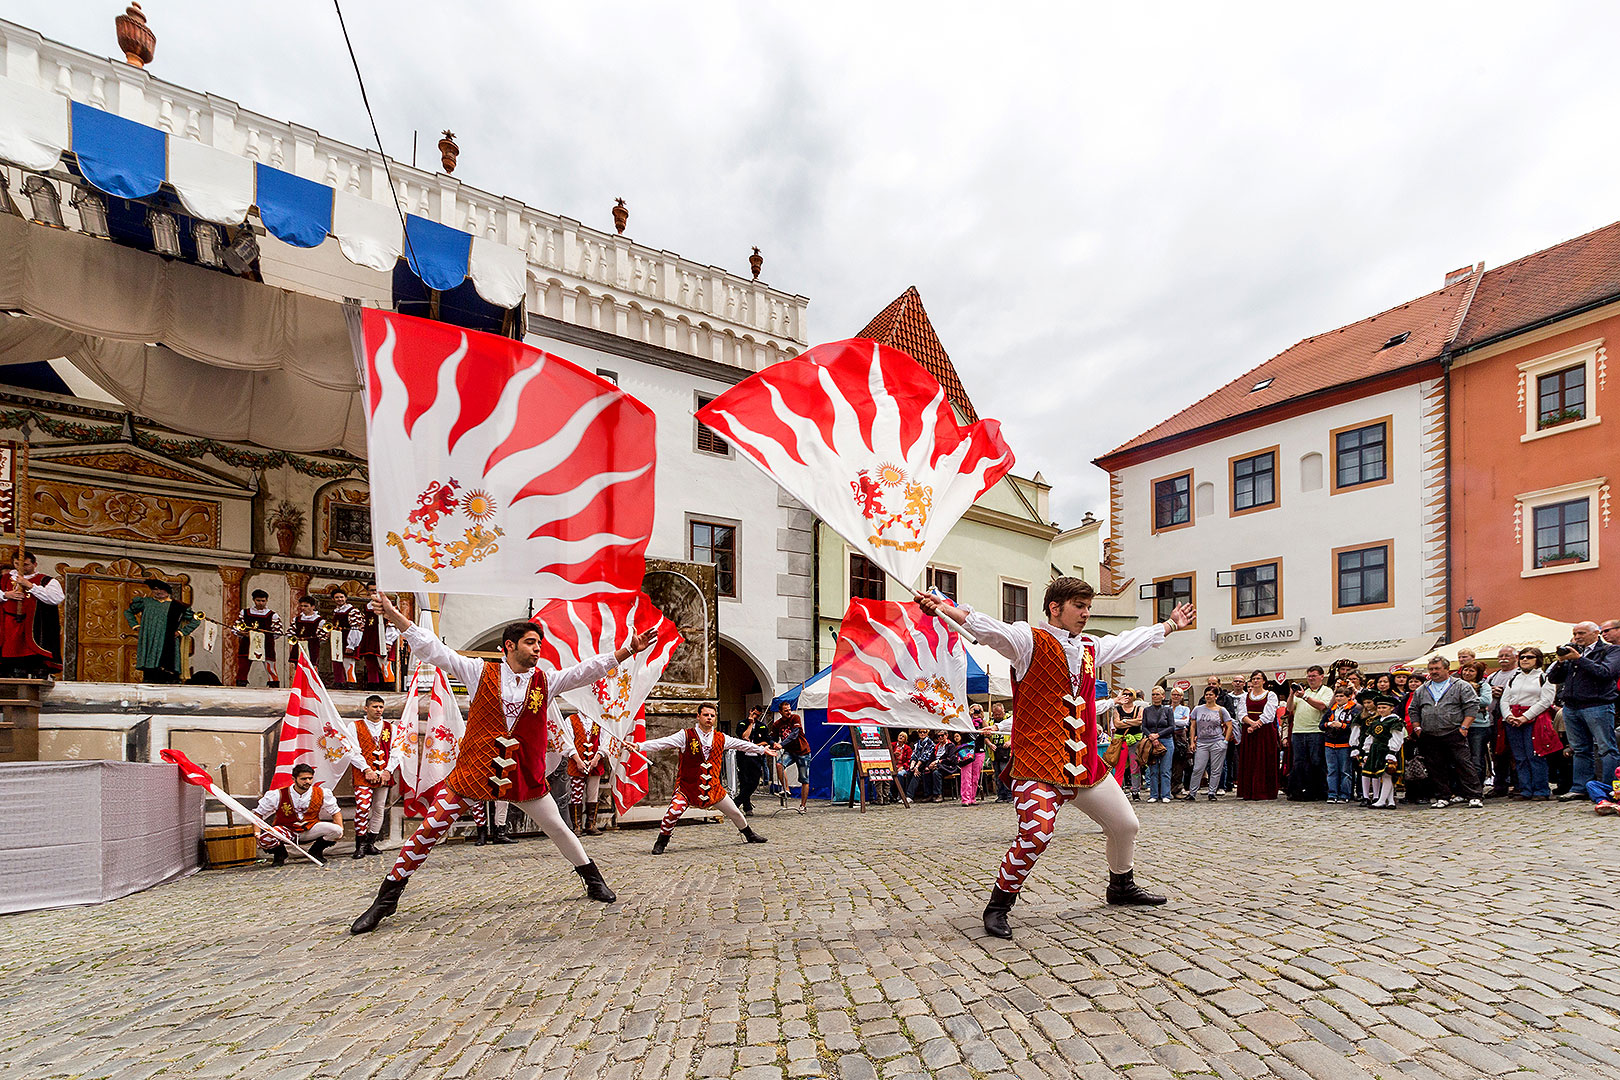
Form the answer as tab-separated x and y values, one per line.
478	505
890	475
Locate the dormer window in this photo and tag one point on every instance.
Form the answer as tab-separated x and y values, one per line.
1261	385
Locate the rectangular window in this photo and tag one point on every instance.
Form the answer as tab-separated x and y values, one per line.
713	542
1561	396
1360	455
1561	533
1254	482
865	579
1363	577
1258	595
943	580
708	441
1014	603
1169	593
1172	502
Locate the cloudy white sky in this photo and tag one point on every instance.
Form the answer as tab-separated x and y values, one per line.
1109	210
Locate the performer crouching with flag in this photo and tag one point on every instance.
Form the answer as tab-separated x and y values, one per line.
1054	734
697	773
503	752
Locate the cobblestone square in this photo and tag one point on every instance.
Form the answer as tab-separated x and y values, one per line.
1300	941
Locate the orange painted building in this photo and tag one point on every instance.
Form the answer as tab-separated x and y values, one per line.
1534	437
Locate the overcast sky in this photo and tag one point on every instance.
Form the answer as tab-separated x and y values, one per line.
1109	211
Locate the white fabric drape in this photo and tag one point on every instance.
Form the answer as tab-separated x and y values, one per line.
214	184
193	349
369	232
499	273
33	125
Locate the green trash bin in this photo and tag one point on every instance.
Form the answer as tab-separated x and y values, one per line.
843	772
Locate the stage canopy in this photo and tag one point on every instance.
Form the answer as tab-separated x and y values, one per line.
812	693
202	352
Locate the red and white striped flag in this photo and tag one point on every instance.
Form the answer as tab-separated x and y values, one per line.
499	469
192	773
576	630
861	434
897	667
313	732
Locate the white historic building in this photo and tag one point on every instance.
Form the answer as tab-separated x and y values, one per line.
1301	507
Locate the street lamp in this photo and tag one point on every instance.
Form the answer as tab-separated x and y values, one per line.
1469	614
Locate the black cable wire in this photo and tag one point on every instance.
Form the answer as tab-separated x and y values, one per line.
387	172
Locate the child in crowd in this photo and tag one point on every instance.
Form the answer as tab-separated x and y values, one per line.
1338	732
1383	735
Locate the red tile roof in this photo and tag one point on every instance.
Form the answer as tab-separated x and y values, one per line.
904	325
1349	354
1556	281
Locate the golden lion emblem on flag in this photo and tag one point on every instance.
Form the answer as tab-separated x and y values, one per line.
442	501
934	694
872	489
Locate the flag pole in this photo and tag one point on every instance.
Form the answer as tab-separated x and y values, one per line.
193	774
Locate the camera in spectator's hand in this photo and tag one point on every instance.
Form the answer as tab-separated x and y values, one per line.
1569	650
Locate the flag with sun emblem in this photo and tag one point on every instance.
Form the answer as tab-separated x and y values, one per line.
897	667
577	630
498	469
862	434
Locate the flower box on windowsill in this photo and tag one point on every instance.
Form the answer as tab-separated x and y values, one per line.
1554	419
1561	560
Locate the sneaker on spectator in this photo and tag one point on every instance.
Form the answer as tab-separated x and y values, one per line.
1570	794
1475	804
1440	804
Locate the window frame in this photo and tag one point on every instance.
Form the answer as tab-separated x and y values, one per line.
736	551
1563	391
700	399
1585	503
1153	502
1529	502
1388	424
1237	590
1233	510
956	579
1015	583
1530	372
876	575
1389	575
1192	593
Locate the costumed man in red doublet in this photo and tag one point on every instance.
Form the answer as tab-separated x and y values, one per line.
374	769
30	621
350	622
297	810
503	751
586	767
371	649
697	773
307	634
261	620
1054	734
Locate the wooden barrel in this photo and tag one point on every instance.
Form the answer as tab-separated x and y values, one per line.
229	845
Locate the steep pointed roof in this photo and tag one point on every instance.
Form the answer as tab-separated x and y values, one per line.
904	325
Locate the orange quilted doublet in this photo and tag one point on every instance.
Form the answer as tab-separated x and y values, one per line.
1055	729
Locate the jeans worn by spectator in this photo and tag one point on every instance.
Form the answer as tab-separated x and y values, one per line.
1590	730
1340	780
1531	766
1159	772
1481	740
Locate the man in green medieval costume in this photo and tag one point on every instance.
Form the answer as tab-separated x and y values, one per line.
163	620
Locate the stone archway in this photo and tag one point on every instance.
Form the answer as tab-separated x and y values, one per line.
741	683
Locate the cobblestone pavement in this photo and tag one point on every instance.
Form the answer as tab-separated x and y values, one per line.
1299	941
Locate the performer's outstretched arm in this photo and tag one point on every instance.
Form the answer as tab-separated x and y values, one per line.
1015	641
667	742
597	667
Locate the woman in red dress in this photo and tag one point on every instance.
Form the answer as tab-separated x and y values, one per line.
1257	753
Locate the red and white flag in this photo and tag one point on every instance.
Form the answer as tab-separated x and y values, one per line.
436	755
192	773
897	667
498	469
577	630
861	434
407	741
313	732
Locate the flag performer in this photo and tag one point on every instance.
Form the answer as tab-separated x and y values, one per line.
296	810
192	773
503	752
697	773
1054	734
375	768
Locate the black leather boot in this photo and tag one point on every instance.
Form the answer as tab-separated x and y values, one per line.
751	836
371	844
595	887
661	843
483	836
1123	889
382	907
317	850
359	846
278	855
590	820
995	913
497	834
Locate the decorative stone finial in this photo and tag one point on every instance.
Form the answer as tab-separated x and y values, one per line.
621	215
755	262
135	37
449	151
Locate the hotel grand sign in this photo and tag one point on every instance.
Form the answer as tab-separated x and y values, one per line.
1259	637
